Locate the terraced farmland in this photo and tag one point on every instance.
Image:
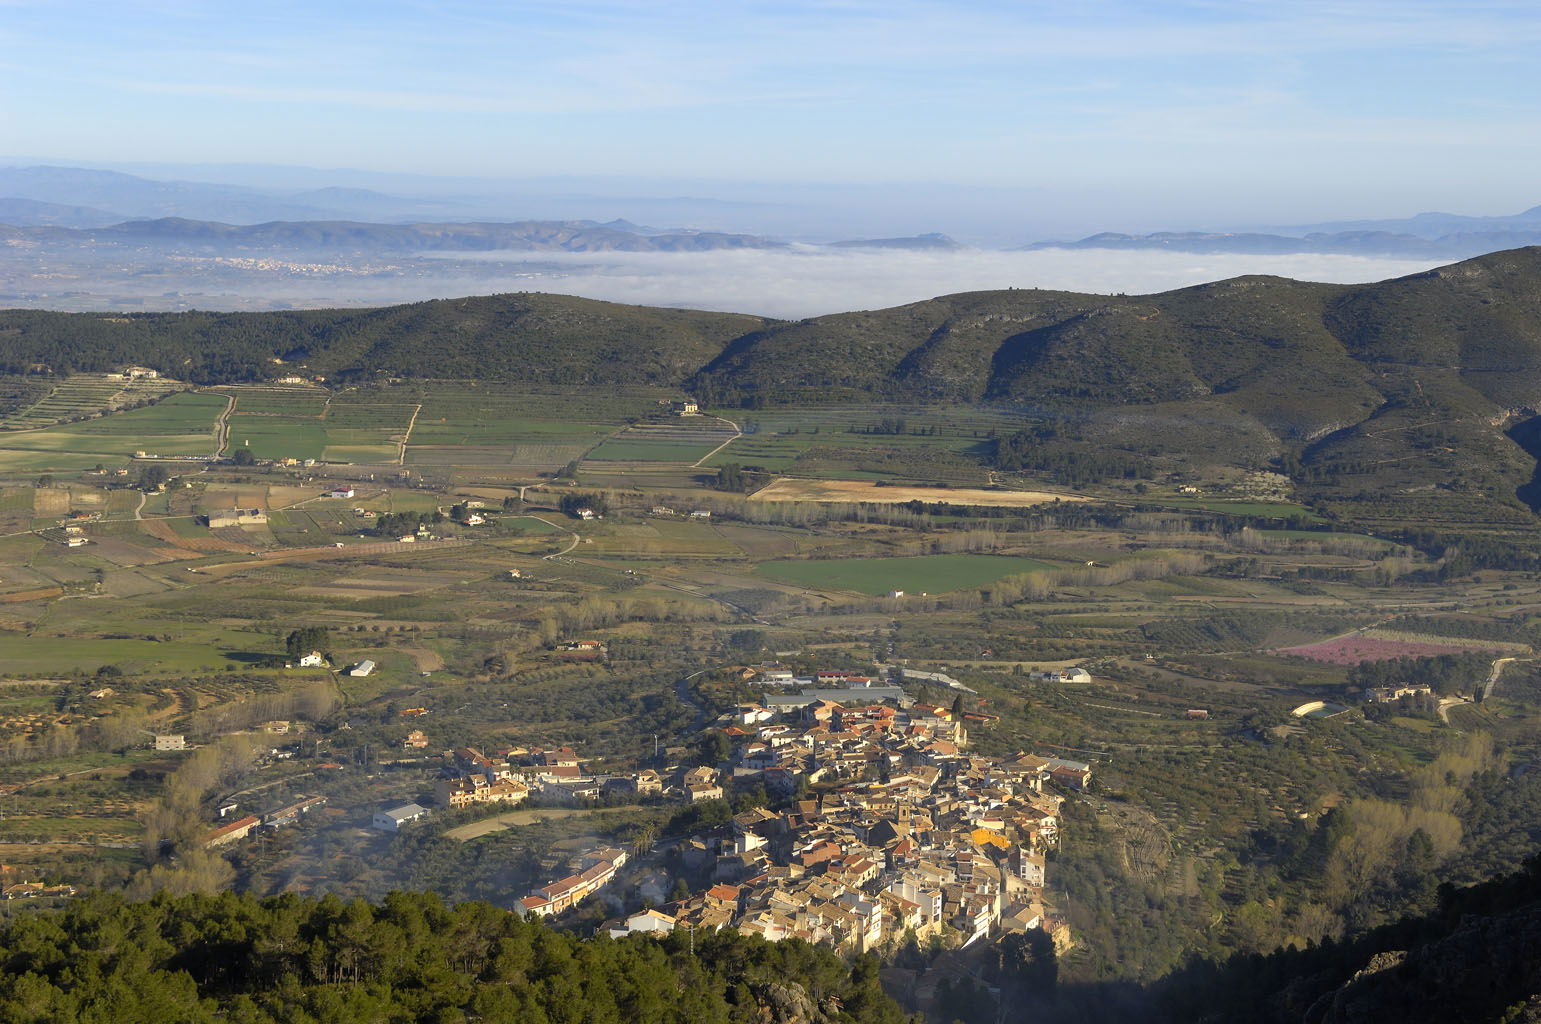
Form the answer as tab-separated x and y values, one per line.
182	424
86	394
685	441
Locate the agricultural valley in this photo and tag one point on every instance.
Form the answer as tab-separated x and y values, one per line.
1086	656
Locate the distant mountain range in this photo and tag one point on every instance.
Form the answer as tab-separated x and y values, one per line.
33	212
206	213
361	237
341	236
932	242
1426	236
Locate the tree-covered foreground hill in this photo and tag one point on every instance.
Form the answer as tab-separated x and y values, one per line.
236	958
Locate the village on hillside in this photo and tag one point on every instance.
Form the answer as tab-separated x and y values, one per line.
886	830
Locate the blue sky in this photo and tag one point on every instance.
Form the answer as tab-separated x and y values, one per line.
1241	110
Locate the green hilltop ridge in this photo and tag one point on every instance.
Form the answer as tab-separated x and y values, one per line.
524	337
1421	387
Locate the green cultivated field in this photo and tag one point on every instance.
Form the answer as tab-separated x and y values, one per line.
941	443
649	451
931	574
37	655
298	424
180	425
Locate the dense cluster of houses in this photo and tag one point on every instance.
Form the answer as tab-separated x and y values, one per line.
470	777
915	836
509	776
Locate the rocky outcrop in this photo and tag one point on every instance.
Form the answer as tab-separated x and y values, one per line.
1483	968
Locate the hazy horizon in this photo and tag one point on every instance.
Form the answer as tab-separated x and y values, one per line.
996	123
993	217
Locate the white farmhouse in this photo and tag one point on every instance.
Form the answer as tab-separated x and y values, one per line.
392	820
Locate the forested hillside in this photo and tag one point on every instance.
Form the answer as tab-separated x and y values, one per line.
285	960
549	339
1477	957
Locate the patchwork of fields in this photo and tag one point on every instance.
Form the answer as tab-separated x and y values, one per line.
502	432
519	430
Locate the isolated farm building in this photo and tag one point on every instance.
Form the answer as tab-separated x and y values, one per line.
76	542
139	373
701	513
363	668
238	829
684	407
170	742
585	513
582	650
236	517
293	812
313	660
391	820
1392	694
340	492
1066	675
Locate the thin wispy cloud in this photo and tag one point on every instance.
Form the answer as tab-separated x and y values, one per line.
1173	96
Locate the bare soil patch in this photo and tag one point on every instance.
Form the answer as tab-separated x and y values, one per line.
788	489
